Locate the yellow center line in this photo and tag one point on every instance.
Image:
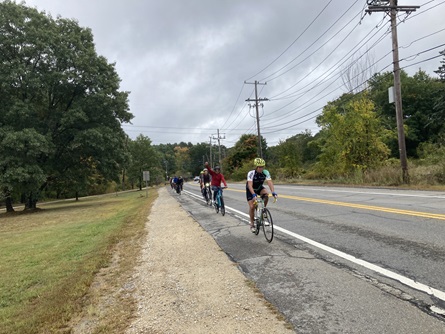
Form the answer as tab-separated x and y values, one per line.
361	206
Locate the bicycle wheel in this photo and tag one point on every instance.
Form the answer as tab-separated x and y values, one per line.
223	209
257	221
209	196
267	225
216	204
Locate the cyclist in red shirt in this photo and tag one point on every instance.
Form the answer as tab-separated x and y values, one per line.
217	178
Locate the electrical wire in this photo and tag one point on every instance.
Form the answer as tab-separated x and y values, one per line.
282	53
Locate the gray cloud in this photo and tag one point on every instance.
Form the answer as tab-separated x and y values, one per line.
185	61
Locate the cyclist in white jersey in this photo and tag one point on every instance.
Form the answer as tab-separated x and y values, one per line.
254	187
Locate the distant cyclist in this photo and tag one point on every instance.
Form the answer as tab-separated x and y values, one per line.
174	180
203	179
254	187
179	184
217	179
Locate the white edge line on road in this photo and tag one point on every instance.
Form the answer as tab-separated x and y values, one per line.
385	272
370	193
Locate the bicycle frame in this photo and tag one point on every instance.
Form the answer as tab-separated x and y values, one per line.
207	193
218	196
219	201
263	218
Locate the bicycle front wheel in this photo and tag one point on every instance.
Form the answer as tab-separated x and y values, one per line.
216	205
267	225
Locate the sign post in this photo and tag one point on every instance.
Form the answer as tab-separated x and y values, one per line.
146	178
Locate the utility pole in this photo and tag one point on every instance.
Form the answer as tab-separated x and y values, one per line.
392	10
257	100
219	146
211	160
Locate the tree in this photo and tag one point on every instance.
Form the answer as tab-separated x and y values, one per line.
60	100
351	138
244	150
418	94
441	70
290	155
182	158
143	157
438	116
199	154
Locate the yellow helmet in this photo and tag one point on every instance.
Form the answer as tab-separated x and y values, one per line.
258	162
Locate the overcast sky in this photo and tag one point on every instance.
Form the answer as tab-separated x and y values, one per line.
186	62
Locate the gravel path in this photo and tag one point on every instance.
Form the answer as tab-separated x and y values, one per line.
186	284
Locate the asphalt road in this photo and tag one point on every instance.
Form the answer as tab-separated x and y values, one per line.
343	260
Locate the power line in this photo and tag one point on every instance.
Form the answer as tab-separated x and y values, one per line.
270	79
282	53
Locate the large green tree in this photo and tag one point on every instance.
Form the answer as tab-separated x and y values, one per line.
351	138
61	108
199	154
290	156
418	95
245	150
143	157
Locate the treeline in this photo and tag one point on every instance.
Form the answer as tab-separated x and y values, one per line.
358	141
61	116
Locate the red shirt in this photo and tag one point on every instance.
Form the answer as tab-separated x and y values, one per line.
217	178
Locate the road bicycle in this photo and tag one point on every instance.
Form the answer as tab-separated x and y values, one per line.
263	218
219	201
207	193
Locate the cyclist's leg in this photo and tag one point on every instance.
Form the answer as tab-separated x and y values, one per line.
250	202
264	195
215	190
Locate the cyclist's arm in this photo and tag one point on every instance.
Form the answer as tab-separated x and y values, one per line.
209	169
250	187
223	180
271	186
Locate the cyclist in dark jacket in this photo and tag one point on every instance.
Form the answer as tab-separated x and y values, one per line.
179	183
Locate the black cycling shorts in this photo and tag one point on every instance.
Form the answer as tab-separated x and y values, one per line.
249	194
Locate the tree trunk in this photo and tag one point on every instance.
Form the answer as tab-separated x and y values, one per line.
31	202
9	207
77	195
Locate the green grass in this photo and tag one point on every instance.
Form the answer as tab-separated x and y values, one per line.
50	257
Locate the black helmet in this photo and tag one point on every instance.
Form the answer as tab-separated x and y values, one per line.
217	167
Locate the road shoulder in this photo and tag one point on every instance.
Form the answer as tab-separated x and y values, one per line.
184	283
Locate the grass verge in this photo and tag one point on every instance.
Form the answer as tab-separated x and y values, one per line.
49	259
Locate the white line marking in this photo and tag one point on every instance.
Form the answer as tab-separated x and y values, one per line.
385	272
402	279
369	193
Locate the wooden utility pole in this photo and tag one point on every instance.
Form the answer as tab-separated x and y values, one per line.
211	160
390	7
219	147
257	100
